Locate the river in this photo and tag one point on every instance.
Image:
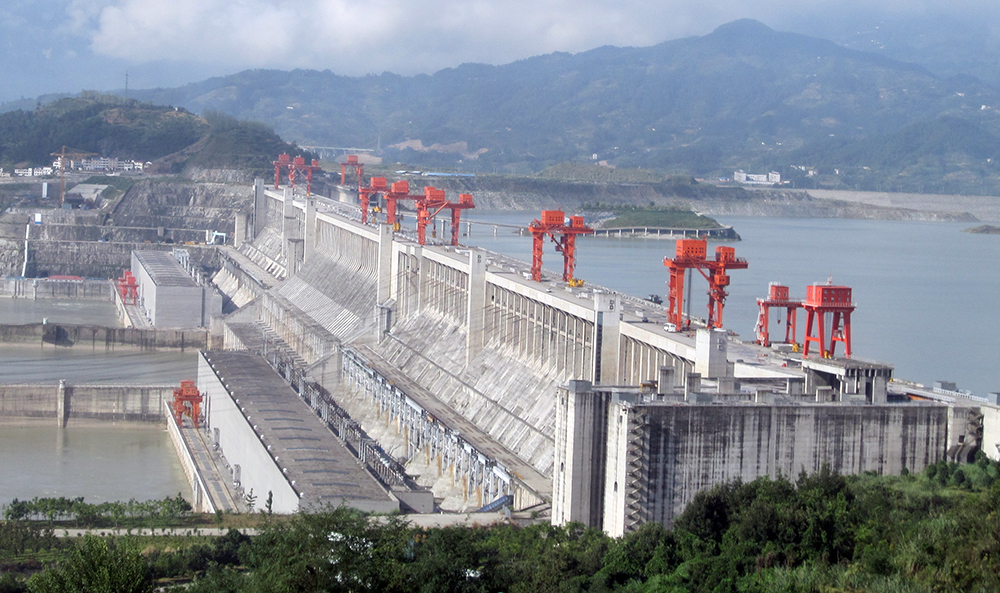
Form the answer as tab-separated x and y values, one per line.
926	293
99	462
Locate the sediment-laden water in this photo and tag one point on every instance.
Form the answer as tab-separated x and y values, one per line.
98	462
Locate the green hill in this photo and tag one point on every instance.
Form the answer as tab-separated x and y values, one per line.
129	129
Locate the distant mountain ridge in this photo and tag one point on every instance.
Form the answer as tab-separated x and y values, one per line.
744	96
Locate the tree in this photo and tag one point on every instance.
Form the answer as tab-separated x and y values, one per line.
96	567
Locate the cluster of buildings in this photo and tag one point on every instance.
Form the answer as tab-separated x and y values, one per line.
745	178
95	165
102	165
29	172
167	290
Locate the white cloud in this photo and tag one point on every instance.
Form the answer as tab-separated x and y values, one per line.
360	36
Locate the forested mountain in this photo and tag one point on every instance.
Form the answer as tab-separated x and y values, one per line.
744	96
125	128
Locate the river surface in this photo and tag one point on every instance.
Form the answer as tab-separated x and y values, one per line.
927	294
100	463
79	312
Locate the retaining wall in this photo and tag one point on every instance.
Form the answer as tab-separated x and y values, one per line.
99	259
690	448
48	288
80	403
107	338
201	499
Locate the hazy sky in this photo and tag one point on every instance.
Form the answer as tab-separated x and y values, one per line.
71	45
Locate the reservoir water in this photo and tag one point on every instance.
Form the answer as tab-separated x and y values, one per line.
99	462
927	293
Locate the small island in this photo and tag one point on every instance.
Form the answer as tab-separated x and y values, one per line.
669	223
985	229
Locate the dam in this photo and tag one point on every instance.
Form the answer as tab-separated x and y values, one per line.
454	369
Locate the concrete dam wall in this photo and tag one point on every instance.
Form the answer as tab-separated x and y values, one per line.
71	404
453	360
691	448
463	330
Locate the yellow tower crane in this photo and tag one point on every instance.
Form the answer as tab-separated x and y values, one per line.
63	155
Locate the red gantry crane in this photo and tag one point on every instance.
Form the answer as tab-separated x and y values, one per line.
128	288
295	167
820	300
691	254
433	202
553	225
399	190
187	402
352	163
376	185
777	297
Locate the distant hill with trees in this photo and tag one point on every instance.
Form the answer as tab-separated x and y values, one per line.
126	128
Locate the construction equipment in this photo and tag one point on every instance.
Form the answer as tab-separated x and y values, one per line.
553	225
63	155
295	167
432	204
820	300
187	402
399	190
691	254
128	288
376	185
777	297
351	163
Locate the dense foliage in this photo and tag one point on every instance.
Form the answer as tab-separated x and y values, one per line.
937	531
149	513
101	124
659	218
243	145
114	127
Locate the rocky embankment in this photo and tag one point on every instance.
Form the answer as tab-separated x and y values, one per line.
182	205
153	214
800	204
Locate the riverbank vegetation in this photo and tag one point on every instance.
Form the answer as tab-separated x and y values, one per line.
169	511
652	217
938	530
